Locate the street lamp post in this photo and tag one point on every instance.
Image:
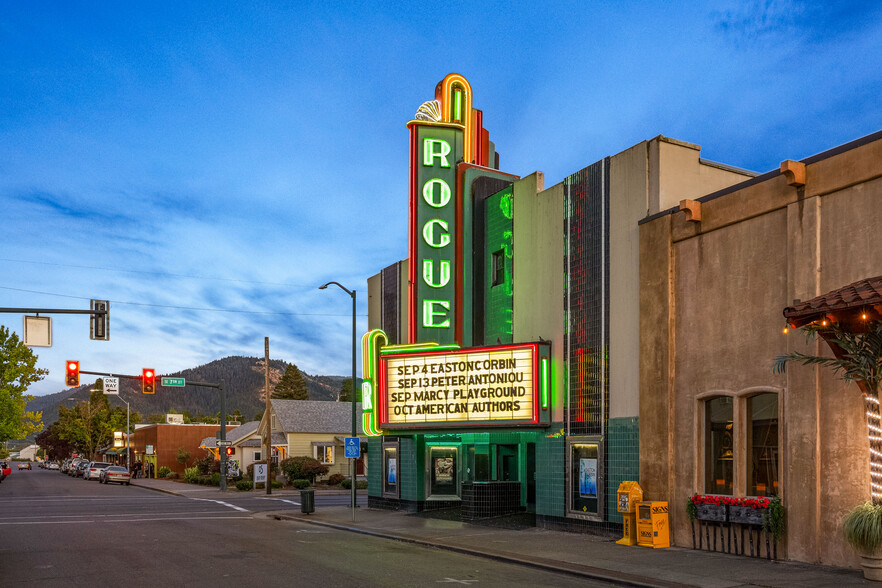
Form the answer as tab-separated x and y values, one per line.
354	428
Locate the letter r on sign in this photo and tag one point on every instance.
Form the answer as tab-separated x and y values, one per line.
433	148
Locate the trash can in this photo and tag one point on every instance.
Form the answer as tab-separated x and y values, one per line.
307	501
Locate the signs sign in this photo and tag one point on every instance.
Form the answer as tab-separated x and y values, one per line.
259	473
503	385
176	382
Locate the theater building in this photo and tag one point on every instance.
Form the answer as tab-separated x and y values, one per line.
502	367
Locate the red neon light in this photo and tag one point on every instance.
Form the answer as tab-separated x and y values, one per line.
411	239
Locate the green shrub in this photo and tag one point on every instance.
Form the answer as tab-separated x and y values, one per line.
244	485
164	471
215	479
172	476
303	467
300	484
259	486
335	479
359	484
276	484
207	465
863	527
191	475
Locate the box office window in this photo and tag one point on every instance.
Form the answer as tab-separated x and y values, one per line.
718	446
391	470
585	478
762	445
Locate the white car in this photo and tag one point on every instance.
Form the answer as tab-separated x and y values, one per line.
52	466
93	471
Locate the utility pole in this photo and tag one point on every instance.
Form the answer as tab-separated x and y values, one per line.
268	439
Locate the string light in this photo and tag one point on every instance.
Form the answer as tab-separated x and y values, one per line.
873	399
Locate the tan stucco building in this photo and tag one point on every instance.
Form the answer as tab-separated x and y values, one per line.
714	277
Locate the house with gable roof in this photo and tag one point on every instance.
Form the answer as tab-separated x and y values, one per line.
315	428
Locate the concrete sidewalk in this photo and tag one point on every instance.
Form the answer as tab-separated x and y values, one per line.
590	556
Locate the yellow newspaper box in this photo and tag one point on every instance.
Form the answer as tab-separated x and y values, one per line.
629	494
652	524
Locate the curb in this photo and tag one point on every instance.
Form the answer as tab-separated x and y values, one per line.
583	571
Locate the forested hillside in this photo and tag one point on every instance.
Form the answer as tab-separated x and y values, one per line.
243	379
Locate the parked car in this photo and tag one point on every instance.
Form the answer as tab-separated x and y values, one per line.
115	474
24	465
80	469
94	470
52	466
5	470
74	469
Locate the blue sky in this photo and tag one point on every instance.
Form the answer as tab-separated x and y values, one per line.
206	166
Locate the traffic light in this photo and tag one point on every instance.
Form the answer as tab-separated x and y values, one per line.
148	381
99	322
72	379
229	451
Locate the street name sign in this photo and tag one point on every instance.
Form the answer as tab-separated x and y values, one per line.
353	447
176	382
224	443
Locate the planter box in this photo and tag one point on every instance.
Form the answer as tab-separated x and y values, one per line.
746	515
711	512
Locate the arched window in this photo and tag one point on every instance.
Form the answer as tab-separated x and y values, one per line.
719	470
762	445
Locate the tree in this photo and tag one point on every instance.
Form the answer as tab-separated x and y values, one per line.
183	456
857	357
50	440
89	425
292	386
17	372
345	394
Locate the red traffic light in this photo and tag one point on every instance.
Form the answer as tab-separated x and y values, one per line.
148	381
72	377
229	451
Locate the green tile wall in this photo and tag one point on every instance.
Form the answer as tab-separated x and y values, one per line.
411	468
375	466
623	460
550	470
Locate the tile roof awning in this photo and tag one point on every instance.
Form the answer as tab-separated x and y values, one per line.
852	306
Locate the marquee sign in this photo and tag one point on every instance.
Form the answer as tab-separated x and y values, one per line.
504	385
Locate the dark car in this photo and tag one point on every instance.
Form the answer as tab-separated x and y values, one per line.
81	469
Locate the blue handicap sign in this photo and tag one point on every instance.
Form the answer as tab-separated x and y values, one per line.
353	447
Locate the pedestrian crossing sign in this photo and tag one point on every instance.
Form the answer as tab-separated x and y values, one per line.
353	447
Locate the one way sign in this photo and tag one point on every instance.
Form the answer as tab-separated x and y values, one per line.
353	447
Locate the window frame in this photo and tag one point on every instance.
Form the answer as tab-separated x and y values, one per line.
324	447
740	421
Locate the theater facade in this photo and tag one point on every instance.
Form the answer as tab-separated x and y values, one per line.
501	366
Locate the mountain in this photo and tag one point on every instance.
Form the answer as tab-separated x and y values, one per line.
243	379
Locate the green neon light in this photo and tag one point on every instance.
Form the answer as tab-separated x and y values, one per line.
443	192
429	233
430	313
457	105
430	153
371	342
544	377
399	350
429	272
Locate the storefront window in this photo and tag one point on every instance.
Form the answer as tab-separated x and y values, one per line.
585	478
718	446
443	471
762	445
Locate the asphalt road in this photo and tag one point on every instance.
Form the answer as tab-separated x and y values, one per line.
60	531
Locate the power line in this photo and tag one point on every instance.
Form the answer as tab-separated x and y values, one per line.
144	272
227	310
